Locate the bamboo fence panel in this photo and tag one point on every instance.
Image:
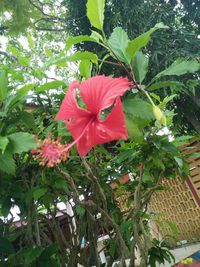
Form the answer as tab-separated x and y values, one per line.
180	203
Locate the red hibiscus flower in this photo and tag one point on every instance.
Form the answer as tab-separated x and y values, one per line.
86	125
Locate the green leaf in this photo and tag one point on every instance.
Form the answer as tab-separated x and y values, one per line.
85	68
180	67
133	130
138	114
3	143
157	97
38	74
182	140
48	52
7	163
173	227
83	56
28	120
49	251
78	56
137	107
39	192
25	89
6	246
159	85
16	75
118	42
125	155
140	66
21	142
61	184
3	84
50	85
97	36
166	100
24	61
32	254
142	40
78	39
95	13
13	50
195	155
179	161
112	247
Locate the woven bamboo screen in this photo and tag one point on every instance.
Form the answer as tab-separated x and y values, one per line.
180	204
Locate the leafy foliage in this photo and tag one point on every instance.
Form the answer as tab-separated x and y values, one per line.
33	80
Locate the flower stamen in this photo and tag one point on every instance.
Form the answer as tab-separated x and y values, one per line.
50	152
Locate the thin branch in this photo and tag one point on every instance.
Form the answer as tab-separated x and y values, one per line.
8	55
42	11
96	182
90	204
49	29
50	19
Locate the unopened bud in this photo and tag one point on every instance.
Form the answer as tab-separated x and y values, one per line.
159	115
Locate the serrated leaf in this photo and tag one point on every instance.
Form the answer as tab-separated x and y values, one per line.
78	39
95	13
21	142
97	36
138	108
118	42
3	143
50	85
85	68
140	66
3	84
7	163
180	67
83	56
142	40
159	85
134	132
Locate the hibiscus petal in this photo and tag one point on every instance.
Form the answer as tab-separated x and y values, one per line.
99	92
69	108
99	132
